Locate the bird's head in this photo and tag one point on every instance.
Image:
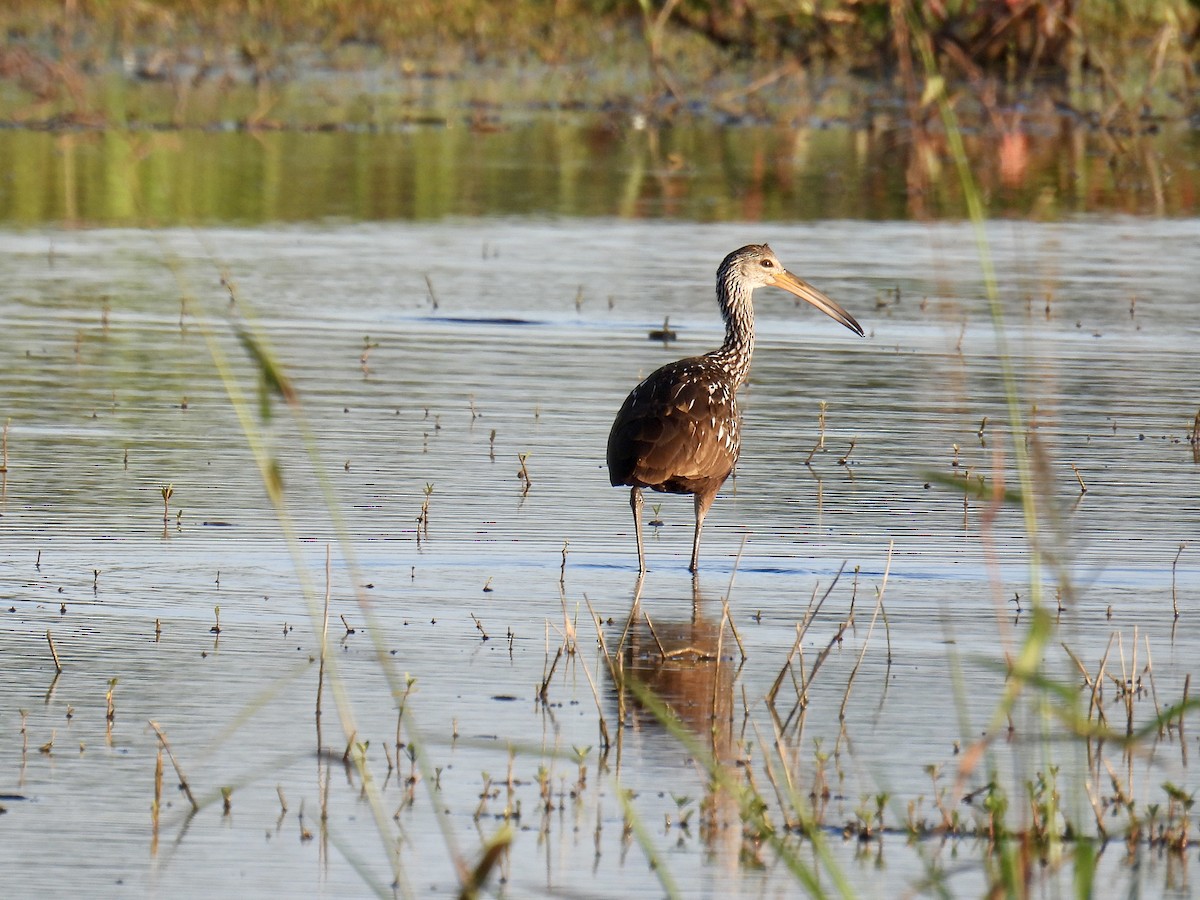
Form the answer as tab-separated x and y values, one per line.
756	265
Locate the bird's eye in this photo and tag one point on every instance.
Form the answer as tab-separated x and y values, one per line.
767	264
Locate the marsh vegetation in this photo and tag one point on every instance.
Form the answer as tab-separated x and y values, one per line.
316	317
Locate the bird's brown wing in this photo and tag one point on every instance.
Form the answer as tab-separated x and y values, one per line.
677	431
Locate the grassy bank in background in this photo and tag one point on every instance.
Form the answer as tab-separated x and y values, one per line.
1124	64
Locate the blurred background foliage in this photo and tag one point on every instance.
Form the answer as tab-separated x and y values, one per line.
1013	40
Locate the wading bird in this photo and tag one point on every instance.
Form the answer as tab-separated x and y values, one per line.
679	431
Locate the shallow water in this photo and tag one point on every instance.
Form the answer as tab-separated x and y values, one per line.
535	329
865	161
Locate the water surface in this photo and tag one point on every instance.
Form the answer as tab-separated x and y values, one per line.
500	338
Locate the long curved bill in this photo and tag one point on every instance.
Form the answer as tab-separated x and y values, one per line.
810	294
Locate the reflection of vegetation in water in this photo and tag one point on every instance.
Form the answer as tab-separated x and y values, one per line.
698	171
1059	116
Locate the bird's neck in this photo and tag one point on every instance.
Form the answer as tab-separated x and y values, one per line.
738	312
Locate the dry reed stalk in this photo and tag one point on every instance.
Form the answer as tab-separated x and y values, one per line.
324	645
1187	684
1174	565
544	689
614	673
305	834
811	454
853	597
479	626
821	657
365	356
634	609
729	593
183	782
510	782
1087	679
603	644
801	705
771	694
1082	487
726	616
1149	672
810	615
158	788
570	630
714	708
737	560
887	631
1098	809
605	742
870	629
1130	681
781	797
662	651
347	757
1121	795
54	653
1098	682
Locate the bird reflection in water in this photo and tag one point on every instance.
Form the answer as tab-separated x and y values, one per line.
681	672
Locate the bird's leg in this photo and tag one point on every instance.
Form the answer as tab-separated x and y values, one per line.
635	503
704	499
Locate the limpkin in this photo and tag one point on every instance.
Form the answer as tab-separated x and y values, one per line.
679	431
